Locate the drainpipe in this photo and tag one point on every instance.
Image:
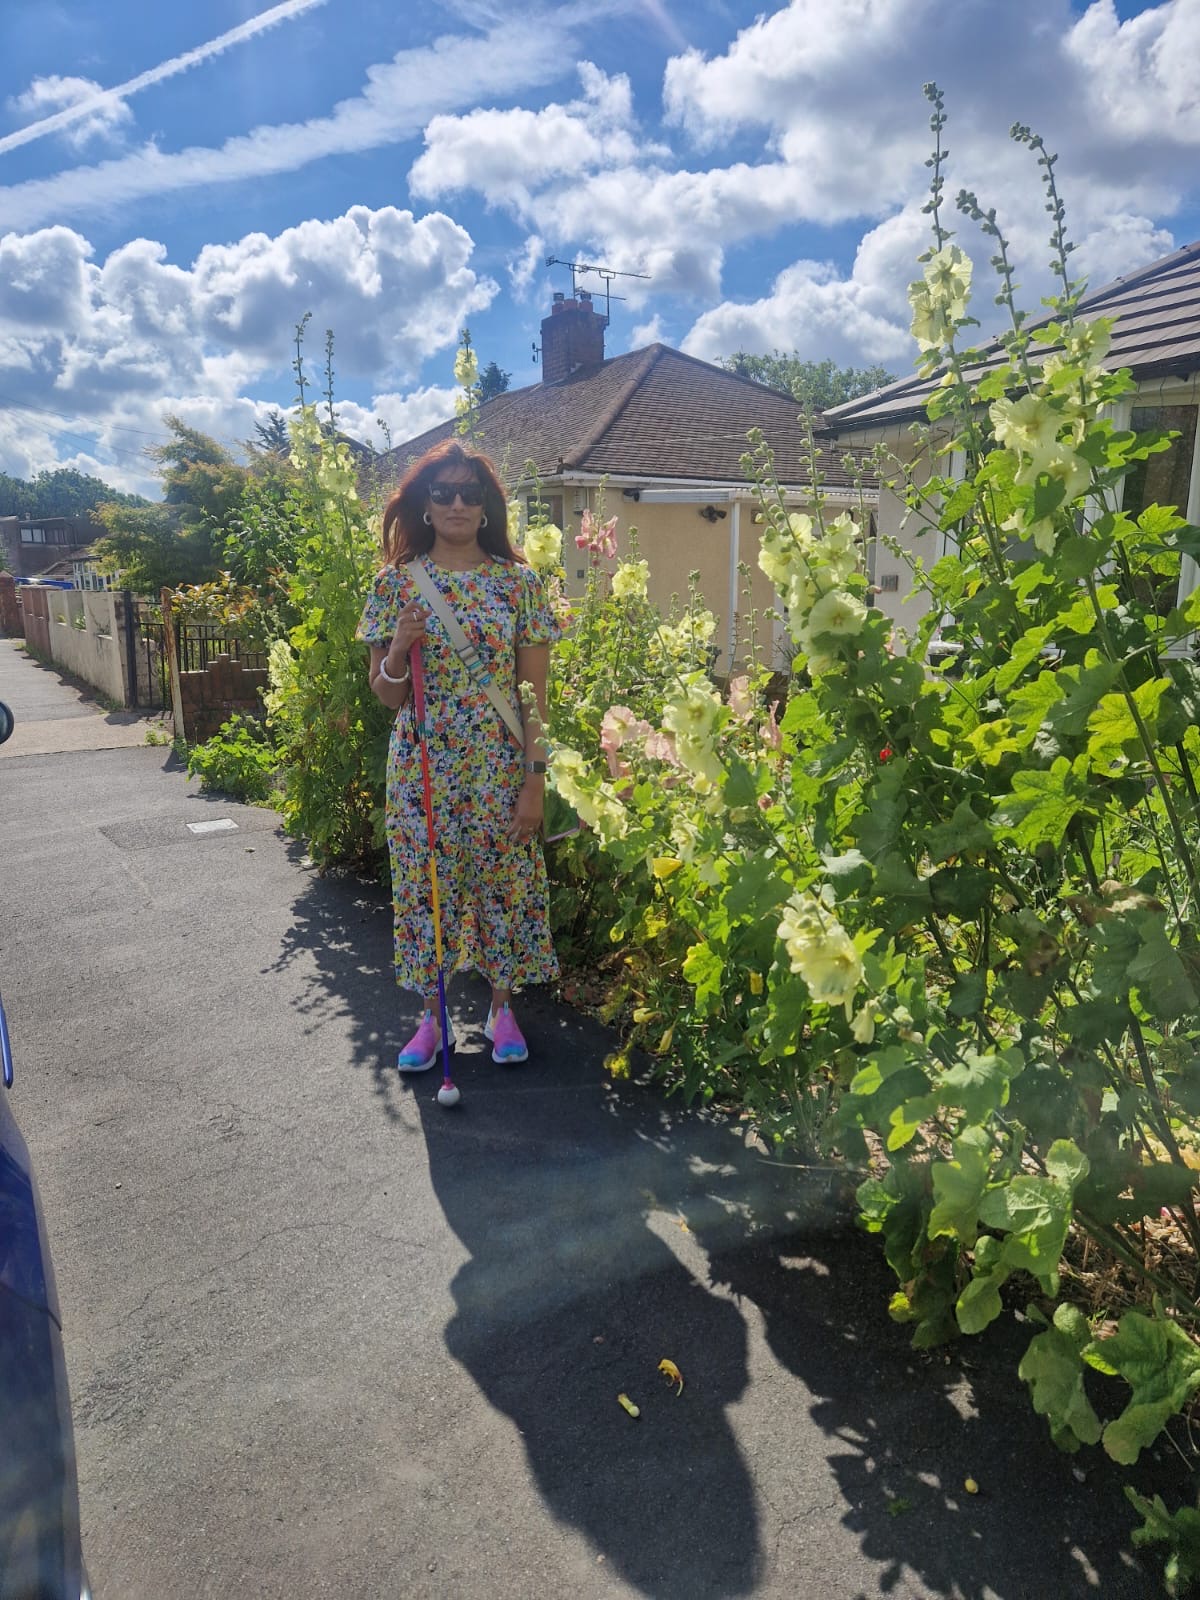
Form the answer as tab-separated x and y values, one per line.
735	530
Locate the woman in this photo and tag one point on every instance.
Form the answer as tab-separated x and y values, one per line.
449	514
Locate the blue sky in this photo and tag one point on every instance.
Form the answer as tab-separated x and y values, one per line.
178	185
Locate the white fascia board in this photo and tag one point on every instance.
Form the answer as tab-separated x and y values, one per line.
686	491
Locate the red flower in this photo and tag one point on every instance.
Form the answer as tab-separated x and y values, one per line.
886	753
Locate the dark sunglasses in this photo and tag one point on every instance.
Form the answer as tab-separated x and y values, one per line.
442	494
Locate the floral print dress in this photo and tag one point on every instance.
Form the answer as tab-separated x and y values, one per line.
493	889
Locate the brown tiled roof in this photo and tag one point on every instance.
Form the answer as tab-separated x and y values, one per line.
654	413
1157	335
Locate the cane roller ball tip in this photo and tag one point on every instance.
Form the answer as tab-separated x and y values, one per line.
448	1095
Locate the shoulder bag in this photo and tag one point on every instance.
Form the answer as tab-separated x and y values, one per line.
481	678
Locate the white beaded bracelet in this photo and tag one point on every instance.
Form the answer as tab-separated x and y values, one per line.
387	677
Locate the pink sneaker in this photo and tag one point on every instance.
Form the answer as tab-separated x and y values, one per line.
508	1043
421	1051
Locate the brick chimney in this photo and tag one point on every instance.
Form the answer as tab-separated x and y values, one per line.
572	337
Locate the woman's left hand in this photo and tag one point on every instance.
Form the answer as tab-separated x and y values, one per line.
526	819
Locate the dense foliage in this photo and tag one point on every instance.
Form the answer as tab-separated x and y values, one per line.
943	927
240	761
61	492
330	730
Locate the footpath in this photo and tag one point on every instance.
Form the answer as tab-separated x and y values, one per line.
327	1339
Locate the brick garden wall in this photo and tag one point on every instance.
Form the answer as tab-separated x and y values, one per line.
214	695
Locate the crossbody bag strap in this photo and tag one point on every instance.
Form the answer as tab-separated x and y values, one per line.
436	601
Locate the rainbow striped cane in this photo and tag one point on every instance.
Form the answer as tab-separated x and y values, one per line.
448	1095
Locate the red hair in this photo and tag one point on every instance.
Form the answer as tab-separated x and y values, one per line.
405	532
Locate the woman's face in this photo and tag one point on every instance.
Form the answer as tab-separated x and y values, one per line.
454	520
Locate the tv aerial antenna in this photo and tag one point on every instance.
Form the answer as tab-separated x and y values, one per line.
605	274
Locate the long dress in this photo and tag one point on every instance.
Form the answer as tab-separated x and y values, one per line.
493	890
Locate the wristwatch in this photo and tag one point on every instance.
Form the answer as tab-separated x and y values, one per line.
535	766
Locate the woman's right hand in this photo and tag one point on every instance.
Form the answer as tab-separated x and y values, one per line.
410	629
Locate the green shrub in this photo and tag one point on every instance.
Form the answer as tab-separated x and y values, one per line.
240	761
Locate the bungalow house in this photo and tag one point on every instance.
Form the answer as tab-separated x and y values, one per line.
1157	336
655	438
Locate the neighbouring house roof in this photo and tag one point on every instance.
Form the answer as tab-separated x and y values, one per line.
654	413
1157	335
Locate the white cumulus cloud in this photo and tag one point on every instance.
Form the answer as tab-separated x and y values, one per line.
92	117
97	353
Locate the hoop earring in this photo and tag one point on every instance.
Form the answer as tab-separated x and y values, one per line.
483	520
427	519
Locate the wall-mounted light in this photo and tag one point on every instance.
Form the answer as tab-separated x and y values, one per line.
711	513
631	494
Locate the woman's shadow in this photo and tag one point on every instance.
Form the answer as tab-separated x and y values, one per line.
553	1180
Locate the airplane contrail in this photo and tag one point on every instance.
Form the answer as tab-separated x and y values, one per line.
167	69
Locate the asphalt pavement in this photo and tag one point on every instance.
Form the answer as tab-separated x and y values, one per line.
328	1339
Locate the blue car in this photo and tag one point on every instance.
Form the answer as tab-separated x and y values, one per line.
40	1555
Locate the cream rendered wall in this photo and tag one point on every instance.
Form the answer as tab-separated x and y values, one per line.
86	639
894	522
676	540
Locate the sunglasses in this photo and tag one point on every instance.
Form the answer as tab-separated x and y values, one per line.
442	494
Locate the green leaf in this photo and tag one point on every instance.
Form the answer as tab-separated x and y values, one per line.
958	1187
1053	1368
1112	726
1180	1530
896	880
1048	495
980	1302
1161	1183
739	789
961	891
962	834
703	967
1085	687
1161	1365
755	891
1030	705
1079	554
1041	805
979	1083
1027	648
967	994
1163	983
905	1119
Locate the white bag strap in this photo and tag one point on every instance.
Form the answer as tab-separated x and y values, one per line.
436	601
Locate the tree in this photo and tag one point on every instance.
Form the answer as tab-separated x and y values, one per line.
492	381
178	541
818	385
272	436
59	492
146	545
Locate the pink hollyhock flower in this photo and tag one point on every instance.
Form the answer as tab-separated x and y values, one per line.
741	702
607	539
772	735
598	537
620	726
661	747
